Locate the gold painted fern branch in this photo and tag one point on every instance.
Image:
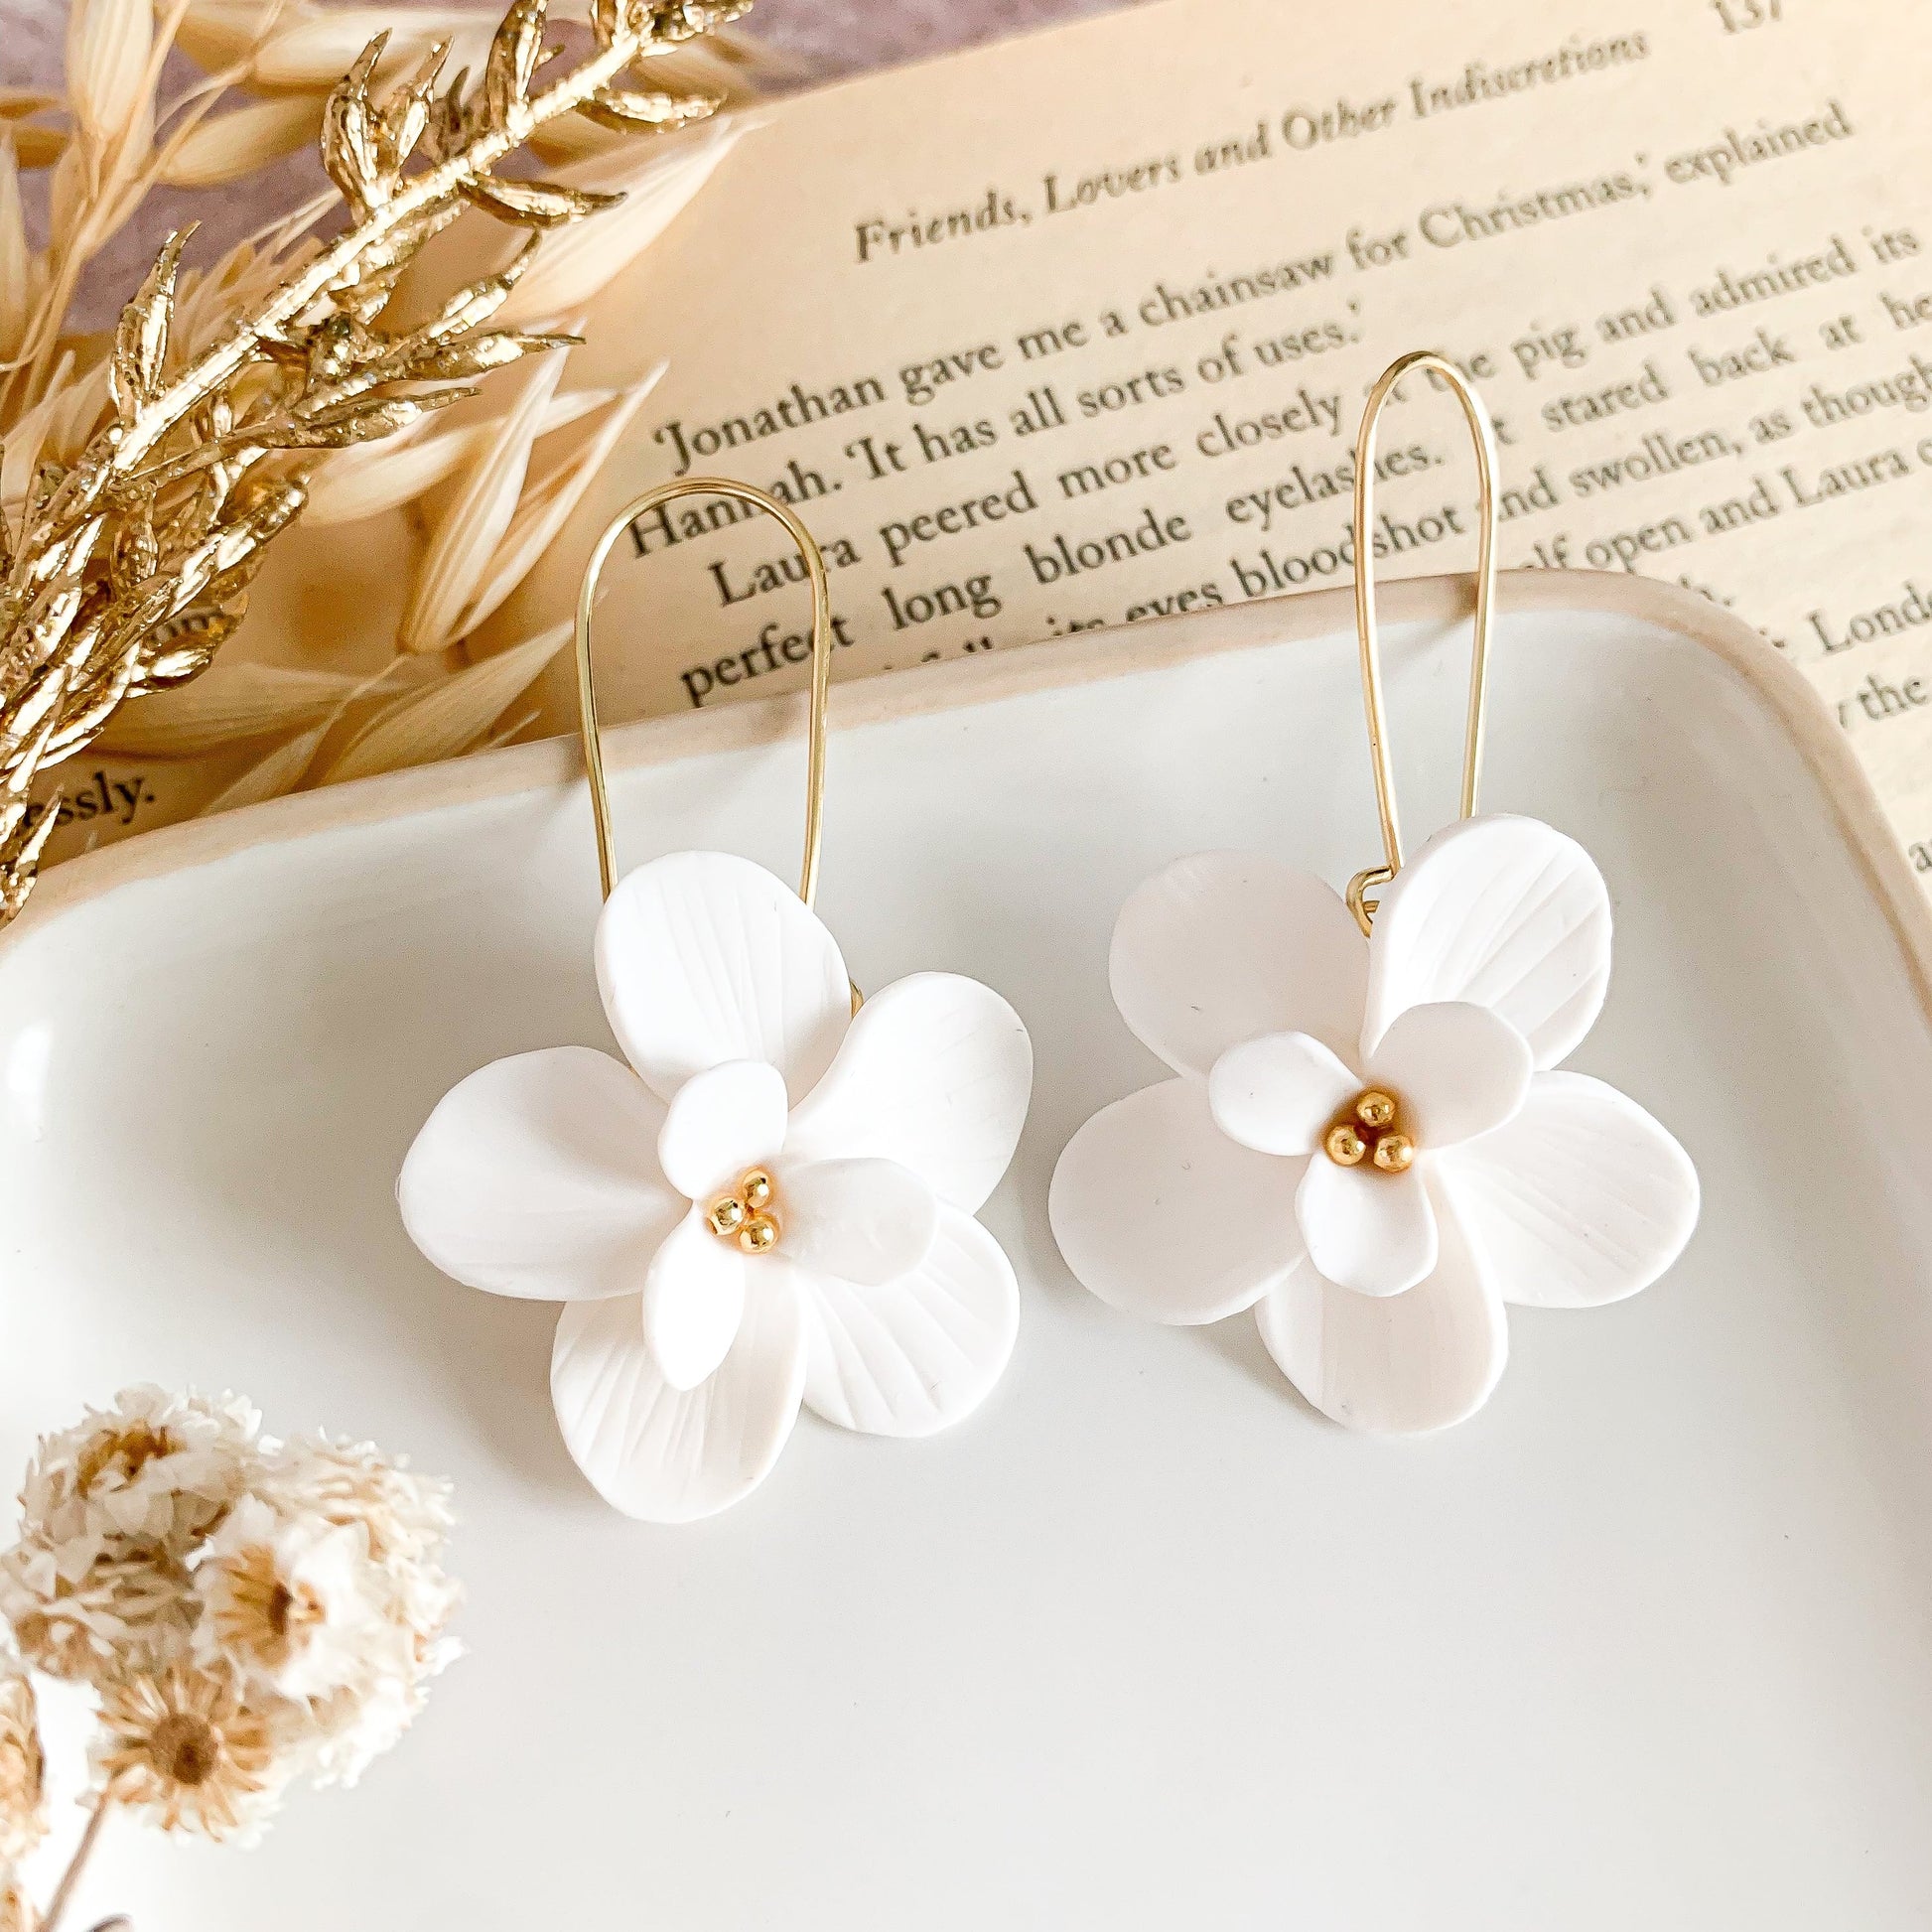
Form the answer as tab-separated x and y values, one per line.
130	566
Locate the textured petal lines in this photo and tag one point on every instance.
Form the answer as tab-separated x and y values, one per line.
704	958
1503	912
1583	1199
666	1455
1395	1364
914	1355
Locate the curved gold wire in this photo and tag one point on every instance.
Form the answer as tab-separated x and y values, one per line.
1477	418
821	662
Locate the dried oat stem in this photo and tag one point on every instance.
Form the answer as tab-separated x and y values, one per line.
132	565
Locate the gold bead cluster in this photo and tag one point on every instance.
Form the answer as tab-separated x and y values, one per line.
744	1215
1371	1129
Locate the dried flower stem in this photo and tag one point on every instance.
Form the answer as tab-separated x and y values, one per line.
64	1892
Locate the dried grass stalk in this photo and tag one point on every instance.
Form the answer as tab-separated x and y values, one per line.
450	717
109	42
581	262
276	774
315	46
354	485
547	505
475	519
228	704
225	147
16	256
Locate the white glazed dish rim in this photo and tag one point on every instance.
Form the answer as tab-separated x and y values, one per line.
1806	719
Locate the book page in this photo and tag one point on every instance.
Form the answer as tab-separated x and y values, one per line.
1074	332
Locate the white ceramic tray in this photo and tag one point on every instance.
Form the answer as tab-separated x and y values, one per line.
1146	1644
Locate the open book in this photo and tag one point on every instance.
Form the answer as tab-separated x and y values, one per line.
1074	330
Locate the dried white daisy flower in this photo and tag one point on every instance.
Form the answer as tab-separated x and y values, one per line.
406	1517
249	1611
156	1471
140	1607
347	1733
366	1535
23	1768
184	1750
111	1512
293	1604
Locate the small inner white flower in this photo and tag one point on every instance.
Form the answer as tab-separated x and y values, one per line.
1371	1129
749	1213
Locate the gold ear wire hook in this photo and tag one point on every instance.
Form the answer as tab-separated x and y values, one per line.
821	662
1477	418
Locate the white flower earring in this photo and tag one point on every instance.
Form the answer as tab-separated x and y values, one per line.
774	1200
1366	1139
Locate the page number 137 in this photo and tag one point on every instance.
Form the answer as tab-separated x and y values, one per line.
1740	15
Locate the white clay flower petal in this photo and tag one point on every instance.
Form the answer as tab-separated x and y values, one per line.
694	1299
720	1123
668	1455
1278	1094
1504	912
1161	1215
1366	1230
1457	1070
920	1354
1394	1364
865	1221
935	1072
703	958
1226	946
535	1177
1582	1199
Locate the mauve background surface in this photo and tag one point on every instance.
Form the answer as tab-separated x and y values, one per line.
829	37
